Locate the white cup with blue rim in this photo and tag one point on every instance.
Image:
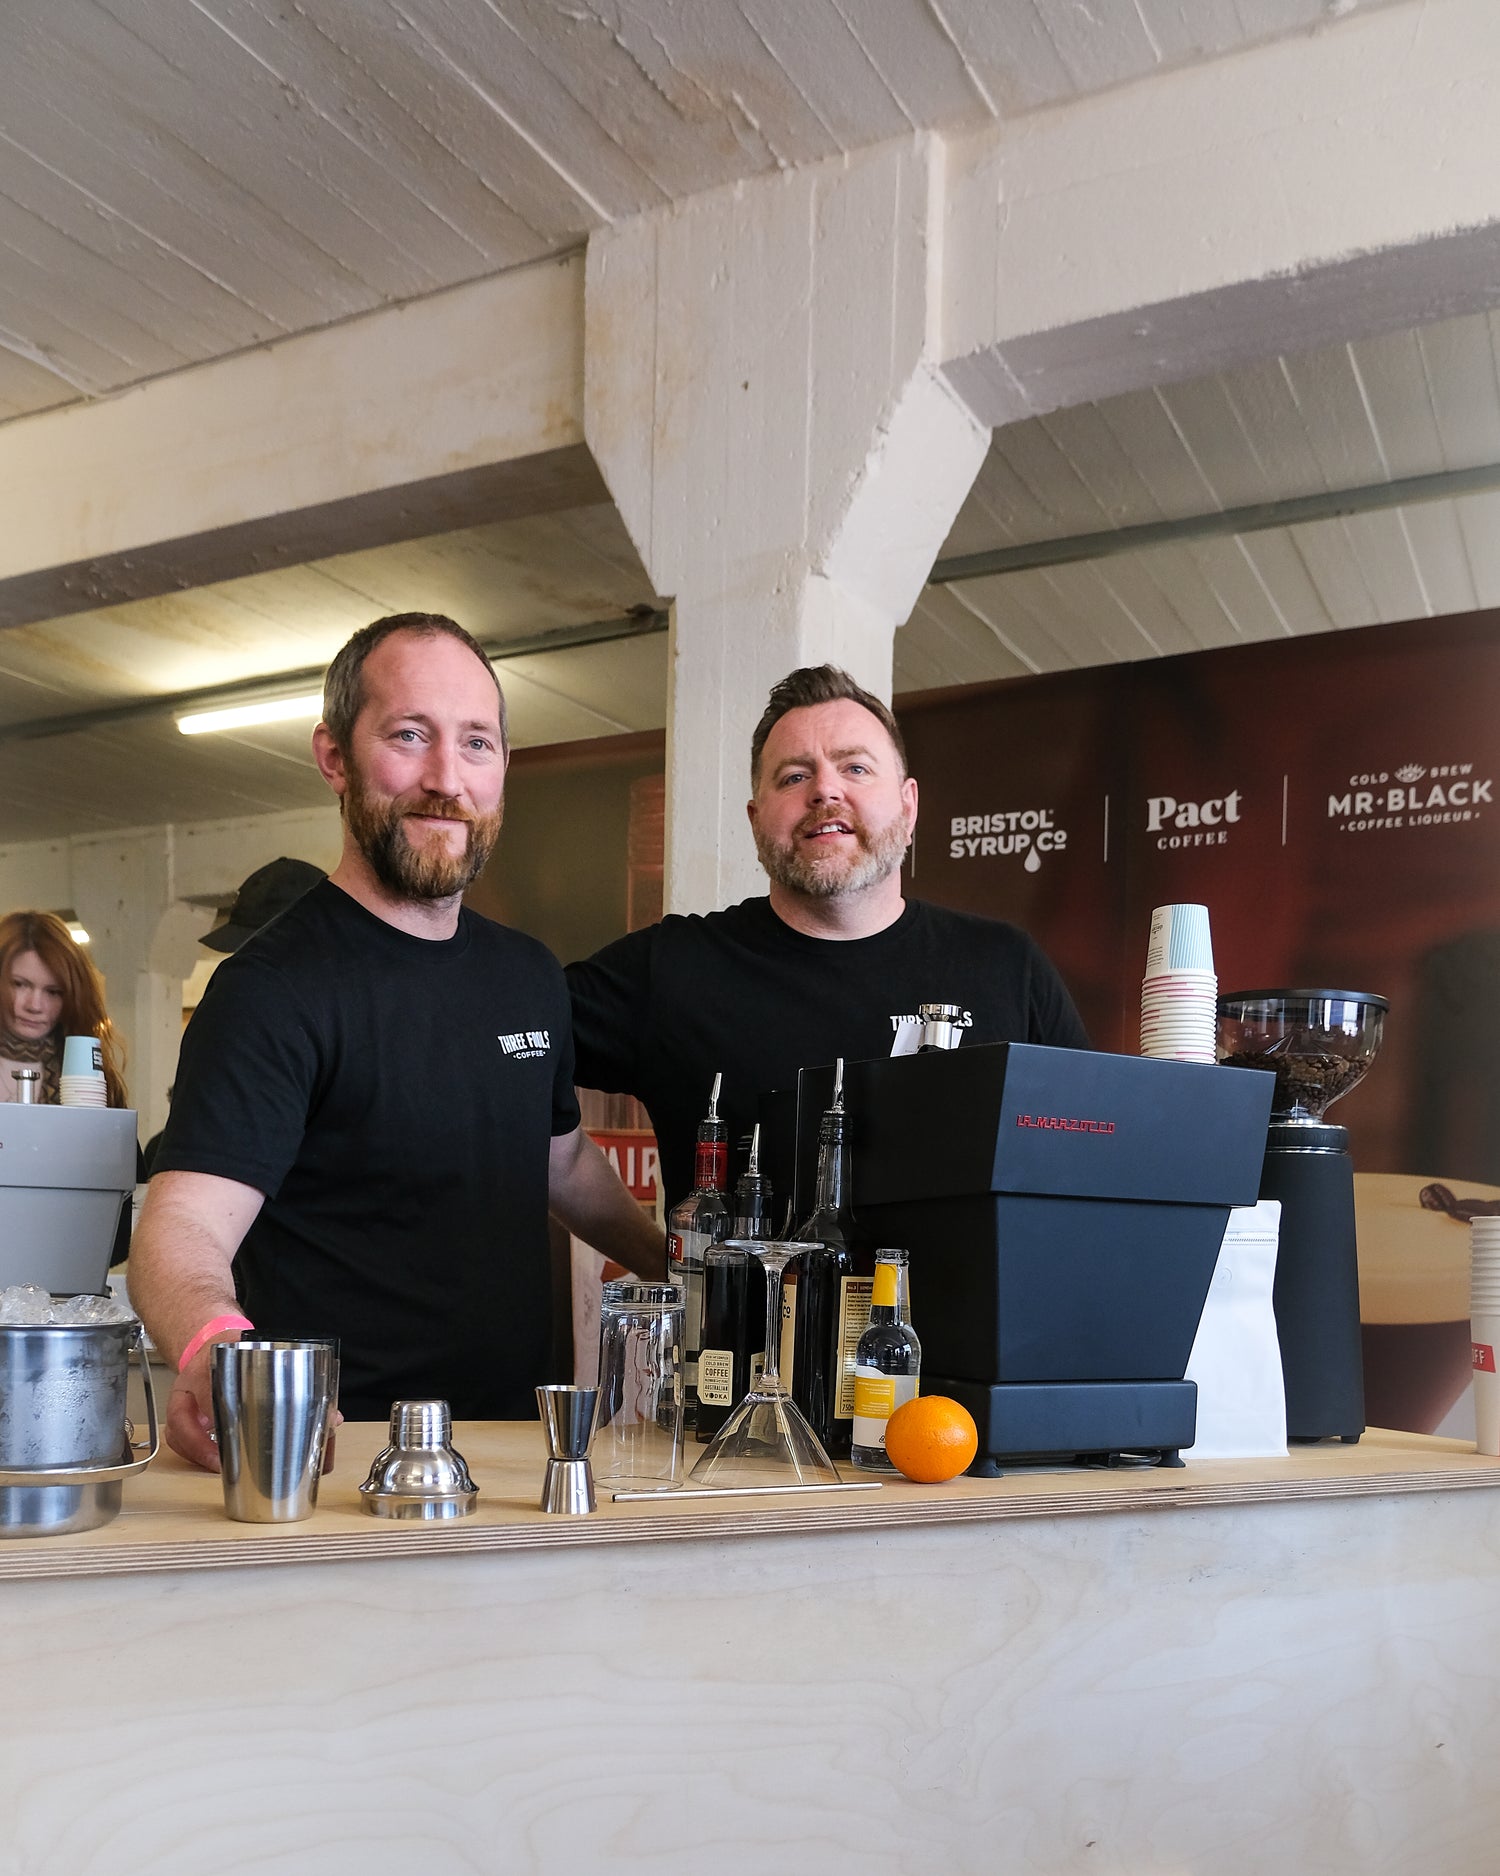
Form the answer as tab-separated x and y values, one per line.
81	1083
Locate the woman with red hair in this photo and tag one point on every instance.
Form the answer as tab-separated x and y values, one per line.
49	989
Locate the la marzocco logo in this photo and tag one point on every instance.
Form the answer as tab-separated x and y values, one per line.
1014	831
1057	1123
1412	796
1192	823
525	1045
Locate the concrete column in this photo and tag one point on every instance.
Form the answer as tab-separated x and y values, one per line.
761	395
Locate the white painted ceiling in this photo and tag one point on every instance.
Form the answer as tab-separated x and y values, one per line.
1349	416
181	180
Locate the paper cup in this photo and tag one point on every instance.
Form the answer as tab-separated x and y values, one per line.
1179	939
1484	1332
82	1055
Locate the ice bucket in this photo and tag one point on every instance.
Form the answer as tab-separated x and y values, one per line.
64	1439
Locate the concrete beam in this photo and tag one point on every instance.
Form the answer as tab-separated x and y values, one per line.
1317	189
460	408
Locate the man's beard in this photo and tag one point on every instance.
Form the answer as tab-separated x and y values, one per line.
825	876
432	871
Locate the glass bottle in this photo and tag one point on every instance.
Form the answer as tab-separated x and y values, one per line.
832	1300
694	1223
887	1363
734	1306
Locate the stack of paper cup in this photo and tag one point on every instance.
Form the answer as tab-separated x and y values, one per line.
1179	1018
81	1083
1484	1330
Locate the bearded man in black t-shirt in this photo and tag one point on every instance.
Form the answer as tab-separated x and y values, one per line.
829	963
374	1108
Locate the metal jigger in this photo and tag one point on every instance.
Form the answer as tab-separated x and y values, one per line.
568	1421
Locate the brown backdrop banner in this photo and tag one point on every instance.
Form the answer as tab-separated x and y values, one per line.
1332	800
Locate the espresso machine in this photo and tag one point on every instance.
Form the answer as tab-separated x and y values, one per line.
1318	1044
1063	1211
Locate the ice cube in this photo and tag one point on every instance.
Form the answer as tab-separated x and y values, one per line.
25	1306
90	1312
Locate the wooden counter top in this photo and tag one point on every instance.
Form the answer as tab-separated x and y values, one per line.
173	1515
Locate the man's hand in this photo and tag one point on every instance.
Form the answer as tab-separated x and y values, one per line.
190	1413
585	1193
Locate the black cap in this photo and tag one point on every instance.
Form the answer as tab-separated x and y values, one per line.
268	891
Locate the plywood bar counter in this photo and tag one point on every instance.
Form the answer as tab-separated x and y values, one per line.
1236	1667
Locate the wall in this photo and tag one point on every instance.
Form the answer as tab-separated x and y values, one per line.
561	870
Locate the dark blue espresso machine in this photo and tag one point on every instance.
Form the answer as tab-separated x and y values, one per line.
1064	1211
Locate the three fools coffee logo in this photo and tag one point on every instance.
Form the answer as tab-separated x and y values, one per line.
1027	833
1411	796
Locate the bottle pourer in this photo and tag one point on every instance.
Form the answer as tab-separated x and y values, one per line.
568	1415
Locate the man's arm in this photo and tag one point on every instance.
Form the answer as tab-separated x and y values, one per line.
585	1194
180	1258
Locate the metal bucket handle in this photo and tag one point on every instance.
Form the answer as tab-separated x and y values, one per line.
98	1475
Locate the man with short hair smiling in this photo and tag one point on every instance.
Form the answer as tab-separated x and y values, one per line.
828	963
374	1107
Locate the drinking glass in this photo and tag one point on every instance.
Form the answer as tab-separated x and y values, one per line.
767	1440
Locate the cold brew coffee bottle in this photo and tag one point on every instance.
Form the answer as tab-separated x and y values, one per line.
696	1222
833	1300
734	1305
887	1362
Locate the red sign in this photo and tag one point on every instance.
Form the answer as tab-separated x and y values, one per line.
632	1153
1484	1357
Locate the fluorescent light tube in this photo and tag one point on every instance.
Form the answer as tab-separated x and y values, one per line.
241	716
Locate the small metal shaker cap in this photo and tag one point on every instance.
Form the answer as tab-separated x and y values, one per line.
419	1475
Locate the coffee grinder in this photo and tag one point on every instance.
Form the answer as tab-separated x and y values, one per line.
1318	1044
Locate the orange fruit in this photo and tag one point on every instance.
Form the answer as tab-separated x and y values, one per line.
931	1439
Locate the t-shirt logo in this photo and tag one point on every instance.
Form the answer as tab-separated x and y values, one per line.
525	1045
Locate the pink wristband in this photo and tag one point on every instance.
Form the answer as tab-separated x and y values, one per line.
207	1334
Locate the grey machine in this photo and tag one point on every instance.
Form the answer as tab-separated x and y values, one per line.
65	1172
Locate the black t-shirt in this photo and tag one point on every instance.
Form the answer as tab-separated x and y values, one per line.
395	1099
659	1013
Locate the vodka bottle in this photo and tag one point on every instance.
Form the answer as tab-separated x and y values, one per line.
887	1362
699	1220
734	1305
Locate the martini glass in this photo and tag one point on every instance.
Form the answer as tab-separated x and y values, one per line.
767	1440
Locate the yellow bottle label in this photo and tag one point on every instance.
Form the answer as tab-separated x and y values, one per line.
874	1396
786	1360
854	1319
